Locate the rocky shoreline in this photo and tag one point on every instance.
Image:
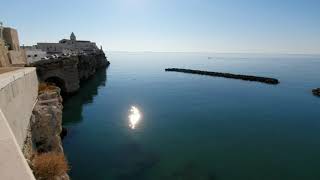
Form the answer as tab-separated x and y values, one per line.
266	80
316	92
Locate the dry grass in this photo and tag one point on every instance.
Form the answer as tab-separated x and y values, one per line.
46	87
48	166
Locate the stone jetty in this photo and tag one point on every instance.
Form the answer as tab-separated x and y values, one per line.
227	75
316	92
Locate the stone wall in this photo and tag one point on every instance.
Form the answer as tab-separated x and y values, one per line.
4	59
10	52
17	57
10	35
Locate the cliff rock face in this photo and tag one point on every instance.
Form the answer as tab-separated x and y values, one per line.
47	124
45	127
67	72
62	71
88	64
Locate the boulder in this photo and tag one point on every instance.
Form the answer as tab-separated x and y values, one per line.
316	92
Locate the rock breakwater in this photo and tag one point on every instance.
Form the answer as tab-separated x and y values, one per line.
266	80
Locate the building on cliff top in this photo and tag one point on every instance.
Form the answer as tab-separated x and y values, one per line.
10	52
34	54
66	46
72	46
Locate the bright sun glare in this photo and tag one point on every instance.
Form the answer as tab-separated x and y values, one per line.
134	117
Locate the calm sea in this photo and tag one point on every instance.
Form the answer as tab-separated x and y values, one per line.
196	127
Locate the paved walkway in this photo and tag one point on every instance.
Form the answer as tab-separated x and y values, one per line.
13	165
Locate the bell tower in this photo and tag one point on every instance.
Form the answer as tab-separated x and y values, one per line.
73	37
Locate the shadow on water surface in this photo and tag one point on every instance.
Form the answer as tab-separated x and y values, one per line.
131	161
85	95
191	171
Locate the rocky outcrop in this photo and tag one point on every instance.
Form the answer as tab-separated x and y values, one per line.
316	92
47	124
62	71
227	75
67	71
45	130
89	64
45	127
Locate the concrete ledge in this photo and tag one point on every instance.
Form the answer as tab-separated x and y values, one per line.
8	75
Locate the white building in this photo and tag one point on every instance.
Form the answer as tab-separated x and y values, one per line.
34	54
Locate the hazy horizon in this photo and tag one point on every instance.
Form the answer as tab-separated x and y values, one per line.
272	27
212	52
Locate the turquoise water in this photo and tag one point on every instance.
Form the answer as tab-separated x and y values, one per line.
196	127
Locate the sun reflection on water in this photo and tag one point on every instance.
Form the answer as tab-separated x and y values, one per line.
134	117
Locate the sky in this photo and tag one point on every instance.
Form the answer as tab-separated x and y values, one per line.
222	26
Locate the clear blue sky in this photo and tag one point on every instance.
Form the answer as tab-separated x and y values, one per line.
267	26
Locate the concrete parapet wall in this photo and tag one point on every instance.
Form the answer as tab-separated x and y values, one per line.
18	94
